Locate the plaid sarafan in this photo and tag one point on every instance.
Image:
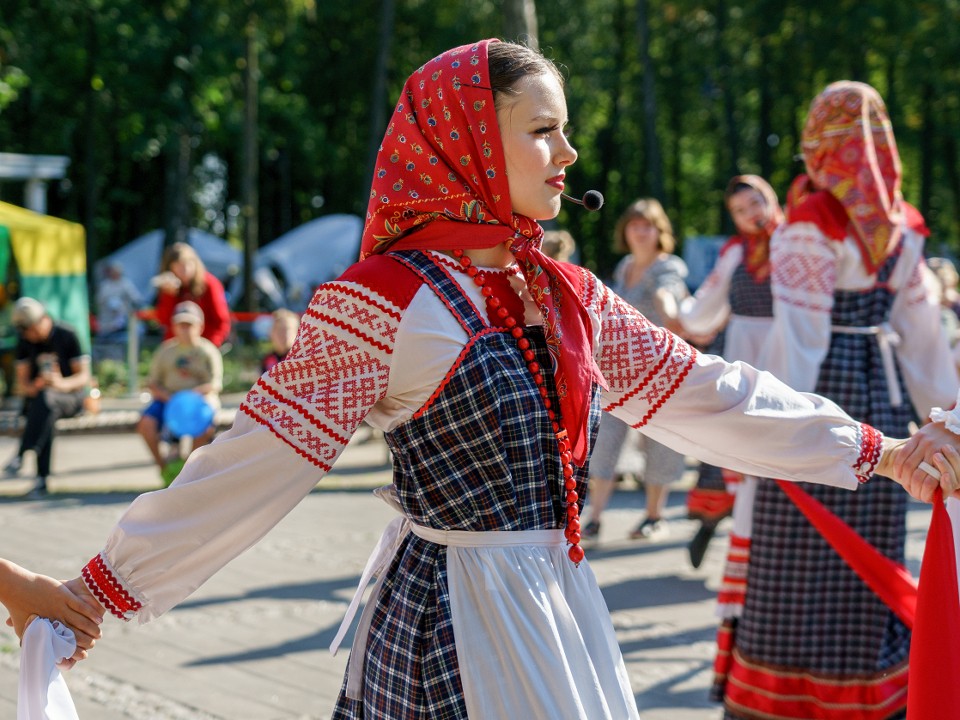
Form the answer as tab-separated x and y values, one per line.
481	455
813	612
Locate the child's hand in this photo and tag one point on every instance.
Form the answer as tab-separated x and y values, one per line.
28	594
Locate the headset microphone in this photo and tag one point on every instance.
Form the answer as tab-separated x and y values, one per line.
592	200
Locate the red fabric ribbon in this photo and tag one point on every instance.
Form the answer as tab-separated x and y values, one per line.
892	582
933	690
439	184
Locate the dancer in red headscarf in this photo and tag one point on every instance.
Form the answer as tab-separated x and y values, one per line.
734	299
486	365
853	322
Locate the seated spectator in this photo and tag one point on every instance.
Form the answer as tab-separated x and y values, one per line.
8	345
283	332
185	362
184	277
117	297
52	376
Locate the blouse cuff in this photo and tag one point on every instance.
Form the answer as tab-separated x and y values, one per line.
950	418
109	590
871	448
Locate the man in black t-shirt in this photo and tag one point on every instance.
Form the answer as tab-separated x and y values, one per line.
52	376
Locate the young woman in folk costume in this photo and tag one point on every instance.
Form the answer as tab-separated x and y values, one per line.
735	298
847	283
488	384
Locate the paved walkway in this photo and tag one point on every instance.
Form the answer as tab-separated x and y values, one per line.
251	643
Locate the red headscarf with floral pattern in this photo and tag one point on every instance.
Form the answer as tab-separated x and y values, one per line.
850	151
440	184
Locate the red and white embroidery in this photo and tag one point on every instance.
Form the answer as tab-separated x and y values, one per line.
804	268
871	448
642	363
109	590
335	373
915	292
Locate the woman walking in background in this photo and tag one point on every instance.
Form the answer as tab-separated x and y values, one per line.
651	278
735	297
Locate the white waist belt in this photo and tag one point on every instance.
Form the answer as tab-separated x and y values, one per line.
887	339
382	556
496	538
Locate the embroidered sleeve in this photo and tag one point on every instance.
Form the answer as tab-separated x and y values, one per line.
233	491
802	281
923	354
803	268
336	371
642	364
715	411
871	448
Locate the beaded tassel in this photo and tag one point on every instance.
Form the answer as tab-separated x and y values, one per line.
572	530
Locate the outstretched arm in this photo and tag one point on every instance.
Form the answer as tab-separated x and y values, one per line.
715	411
291	428
26	594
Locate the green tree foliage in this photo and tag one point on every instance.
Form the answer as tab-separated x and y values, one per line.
137	94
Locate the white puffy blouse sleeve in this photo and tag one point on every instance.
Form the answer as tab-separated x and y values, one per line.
923	353
290	429
804	268
728	414
707	310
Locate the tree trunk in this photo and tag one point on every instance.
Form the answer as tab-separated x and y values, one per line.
766	106
90	165
520	21
251	164
177	177
926	149
727	93
378	121
652	142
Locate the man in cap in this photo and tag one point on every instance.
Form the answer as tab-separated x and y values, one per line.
187	361
52	374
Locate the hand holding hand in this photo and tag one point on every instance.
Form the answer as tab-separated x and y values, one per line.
948	463
27	595
908	458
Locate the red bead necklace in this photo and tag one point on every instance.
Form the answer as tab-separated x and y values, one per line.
496	309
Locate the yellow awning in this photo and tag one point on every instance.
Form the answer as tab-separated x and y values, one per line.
44	245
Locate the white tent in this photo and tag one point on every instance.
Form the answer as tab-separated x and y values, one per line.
140	258
310	254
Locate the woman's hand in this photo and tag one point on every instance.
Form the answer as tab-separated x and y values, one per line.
905	460
947	462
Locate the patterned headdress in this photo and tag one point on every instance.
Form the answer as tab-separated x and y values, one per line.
850	151
440	184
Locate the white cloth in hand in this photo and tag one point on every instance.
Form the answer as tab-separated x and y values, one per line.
43	693
950	418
